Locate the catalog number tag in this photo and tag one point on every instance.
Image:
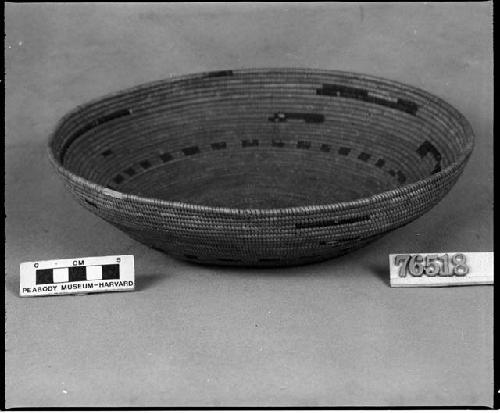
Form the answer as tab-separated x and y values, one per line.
441	269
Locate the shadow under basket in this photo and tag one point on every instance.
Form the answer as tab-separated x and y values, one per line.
262	167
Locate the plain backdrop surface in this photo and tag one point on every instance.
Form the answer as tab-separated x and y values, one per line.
330	334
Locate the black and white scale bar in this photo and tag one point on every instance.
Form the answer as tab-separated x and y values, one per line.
78	273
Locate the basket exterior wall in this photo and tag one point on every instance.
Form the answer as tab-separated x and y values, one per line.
262	237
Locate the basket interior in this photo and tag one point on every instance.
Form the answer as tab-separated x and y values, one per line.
261	139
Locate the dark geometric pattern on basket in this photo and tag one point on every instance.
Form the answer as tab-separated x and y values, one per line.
428	147
78	273
361	94
216	146
306	117
332	222
262	167
220	73
99	121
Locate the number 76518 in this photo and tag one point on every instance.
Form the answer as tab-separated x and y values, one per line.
432	265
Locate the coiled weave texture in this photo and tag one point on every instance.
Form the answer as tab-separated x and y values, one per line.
262	167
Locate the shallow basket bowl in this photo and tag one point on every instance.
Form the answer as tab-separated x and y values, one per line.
262	167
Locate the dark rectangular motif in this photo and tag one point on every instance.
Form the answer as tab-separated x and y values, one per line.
401	104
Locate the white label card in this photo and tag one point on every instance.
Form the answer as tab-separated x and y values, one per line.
77	276
441	269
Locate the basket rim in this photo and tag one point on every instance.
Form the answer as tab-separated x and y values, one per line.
363	201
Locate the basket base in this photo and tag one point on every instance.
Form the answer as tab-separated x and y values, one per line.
258	185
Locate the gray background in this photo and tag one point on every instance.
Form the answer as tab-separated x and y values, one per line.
327	334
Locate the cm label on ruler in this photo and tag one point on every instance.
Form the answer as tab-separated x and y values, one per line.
75	263
77	275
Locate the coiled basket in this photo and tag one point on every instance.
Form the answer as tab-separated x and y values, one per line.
263	167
